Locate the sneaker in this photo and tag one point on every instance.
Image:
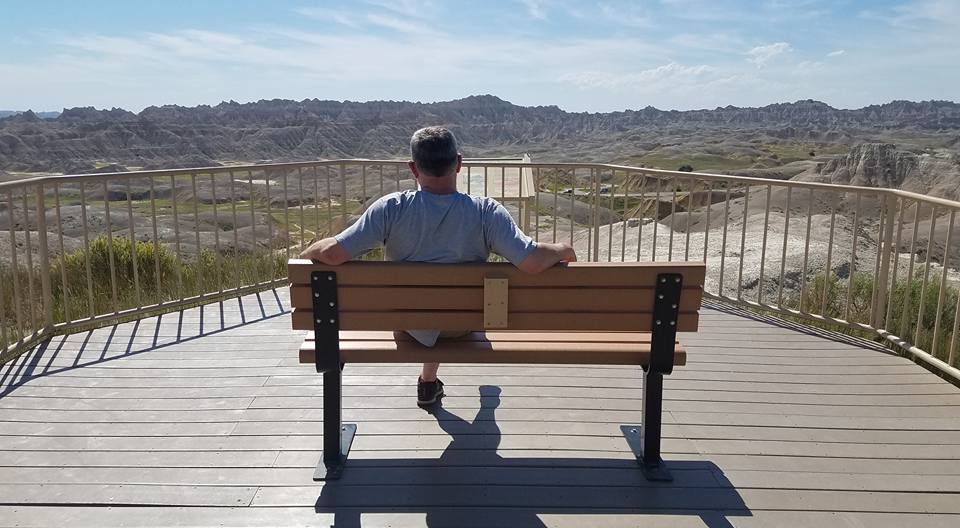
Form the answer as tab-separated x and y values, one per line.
428	392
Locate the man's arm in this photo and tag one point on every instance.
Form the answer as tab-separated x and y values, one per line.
327	251
365	234
507	240
546	255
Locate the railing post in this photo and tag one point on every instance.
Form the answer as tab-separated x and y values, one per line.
45	289
524	202
596	214
886	252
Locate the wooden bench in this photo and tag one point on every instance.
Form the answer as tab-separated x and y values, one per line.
579	313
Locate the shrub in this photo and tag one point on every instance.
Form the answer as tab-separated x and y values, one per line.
835	292
160	275
150	260
906	296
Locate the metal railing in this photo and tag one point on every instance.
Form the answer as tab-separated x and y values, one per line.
89	250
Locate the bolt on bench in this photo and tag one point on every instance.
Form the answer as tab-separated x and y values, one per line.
578	313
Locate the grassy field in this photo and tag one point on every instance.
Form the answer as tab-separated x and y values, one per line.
699	162
790	152
768	155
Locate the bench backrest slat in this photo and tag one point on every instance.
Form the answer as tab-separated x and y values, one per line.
576	297
385	298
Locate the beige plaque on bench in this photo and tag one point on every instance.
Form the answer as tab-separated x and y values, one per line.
494	302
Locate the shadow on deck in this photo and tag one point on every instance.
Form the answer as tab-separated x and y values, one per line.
25	368
205	417
525	488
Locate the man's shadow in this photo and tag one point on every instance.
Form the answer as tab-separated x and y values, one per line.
472	449
480	438
470	484
482	435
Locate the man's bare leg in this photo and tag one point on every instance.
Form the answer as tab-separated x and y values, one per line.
429	371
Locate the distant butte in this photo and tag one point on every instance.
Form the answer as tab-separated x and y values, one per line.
728	138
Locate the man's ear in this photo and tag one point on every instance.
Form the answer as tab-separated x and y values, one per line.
413	169
459	162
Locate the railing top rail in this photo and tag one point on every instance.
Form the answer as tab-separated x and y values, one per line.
744	179
99	176
924	198
94	177
479	162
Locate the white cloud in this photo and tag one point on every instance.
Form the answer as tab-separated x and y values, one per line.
396	24
836	53
712	42
407	8
328	15
661	75
628	14
795	9
807	68
703	10
761	55
403	16
928	23
919	14
204	67
535	8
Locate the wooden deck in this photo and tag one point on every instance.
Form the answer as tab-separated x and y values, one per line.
206	418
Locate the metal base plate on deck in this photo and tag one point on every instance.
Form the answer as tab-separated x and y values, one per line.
335	470
656	472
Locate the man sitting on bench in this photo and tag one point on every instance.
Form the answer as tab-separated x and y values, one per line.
437	224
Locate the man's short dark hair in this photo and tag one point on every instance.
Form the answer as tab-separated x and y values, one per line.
434	150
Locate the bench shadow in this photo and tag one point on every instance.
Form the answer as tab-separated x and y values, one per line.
471	484
43	360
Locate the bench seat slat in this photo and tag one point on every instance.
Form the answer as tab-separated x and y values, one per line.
449	320
609	274
505	336
519	299
579	348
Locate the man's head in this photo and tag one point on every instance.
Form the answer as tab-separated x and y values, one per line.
434	152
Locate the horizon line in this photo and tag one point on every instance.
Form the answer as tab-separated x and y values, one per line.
404	101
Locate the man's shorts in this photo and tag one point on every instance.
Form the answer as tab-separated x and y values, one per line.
429	338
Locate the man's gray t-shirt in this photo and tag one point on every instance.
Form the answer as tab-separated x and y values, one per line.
420	226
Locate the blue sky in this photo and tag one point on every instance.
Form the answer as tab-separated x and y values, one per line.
595	56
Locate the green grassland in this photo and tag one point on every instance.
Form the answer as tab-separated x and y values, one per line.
699	162
790	152
761	154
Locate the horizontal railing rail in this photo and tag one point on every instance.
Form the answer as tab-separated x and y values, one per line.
87	250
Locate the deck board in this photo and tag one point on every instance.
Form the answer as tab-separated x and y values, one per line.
205	417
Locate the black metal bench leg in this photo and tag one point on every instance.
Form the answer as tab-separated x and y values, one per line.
337	436
644	440
650	429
